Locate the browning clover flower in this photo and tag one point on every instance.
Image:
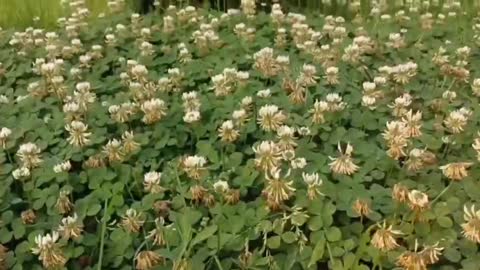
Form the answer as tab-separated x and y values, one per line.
194	166
113	150
270	117
132	221
400	193
129	143
413	123
277	189
265	62
49	251
63	204
361	208
78	133
158	234
417	200
471	227
29	154
384	237
154	110
343	164
70	228
147	260
318	111
4	134
313	182
151	182
456	121
227	132
456	171
396	136
268	155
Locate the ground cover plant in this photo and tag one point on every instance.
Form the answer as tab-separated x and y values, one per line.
194	139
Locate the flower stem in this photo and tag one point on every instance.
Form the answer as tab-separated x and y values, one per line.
442	192
102	239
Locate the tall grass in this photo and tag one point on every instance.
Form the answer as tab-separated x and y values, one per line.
42	13
21	13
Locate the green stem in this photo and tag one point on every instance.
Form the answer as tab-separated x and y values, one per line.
330	255
138	251
102	239
443	192
218	262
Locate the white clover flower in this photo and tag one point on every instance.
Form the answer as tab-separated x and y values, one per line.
312	179
4	99
195	161
243	75
83	86
44	243
5	133
152	177
369	86
191	116
21	173
304	131
221	186
264	93
298	163
151	182
239	114
62	167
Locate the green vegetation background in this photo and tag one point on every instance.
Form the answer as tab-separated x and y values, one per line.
22	13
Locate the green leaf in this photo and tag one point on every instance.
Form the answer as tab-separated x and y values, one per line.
315	223
94	209
452	254
18	228
274	242
317	252
333	234
445	222
204	234
289	237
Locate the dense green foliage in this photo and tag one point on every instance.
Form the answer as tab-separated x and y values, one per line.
203	140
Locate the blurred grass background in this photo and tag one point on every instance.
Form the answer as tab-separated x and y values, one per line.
21	13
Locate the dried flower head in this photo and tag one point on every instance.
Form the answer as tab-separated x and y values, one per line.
63	204
456	171
132	221
270	117
49	251
313	182
29	154
78	133
70	228
194	166
400	193
114	150
4	134
361	207
384	237
471	226
147	260
227	132
277	189
129	143
158	234
267	155
343	164
151	182
28	216
417	200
